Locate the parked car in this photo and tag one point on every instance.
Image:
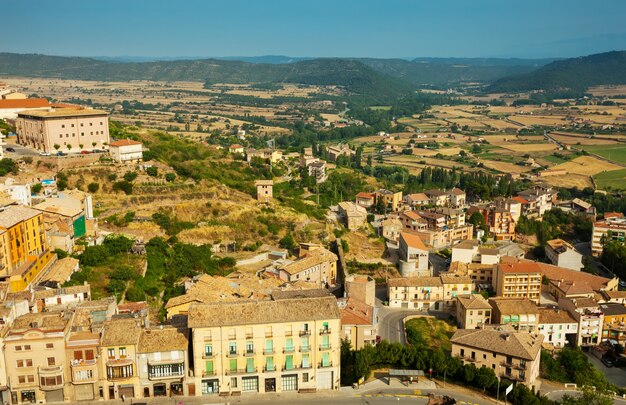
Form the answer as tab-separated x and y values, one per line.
44	153
9	149
607	362
61	154
85	152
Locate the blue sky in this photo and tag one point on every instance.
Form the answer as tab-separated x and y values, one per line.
374	28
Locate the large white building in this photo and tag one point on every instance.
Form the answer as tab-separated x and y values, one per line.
126	150
413	256
563	254
615	223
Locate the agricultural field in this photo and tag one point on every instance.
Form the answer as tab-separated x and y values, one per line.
614	180
608	90
569	181
615	152
586	165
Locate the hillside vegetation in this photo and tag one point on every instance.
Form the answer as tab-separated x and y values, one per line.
575	74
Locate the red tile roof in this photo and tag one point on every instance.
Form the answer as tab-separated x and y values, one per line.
124	142
25	103
520	200
356	313
363	194
413	241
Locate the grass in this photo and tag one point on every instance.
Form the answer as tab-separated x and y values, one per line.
616	153
554	159
430	332
615	179
380	107
499	157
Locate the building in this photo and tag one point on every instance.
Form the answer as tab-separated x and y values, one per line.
162	361
472	311
391	229
25	251
412	221
457	197
518	280
614	324
10	108
63	129
264	190
366	200
235	148
563	254
273	155
558	327
34	350
428	293
589	316
361	287
417	200
318	266
613	296
266	346
567	283
359	322
480	274
335	151
520	313
613	225
453	217
20	193
389	199
118	360
539	199
317	169
126	150
437	197
514	356
64	221
353	215
413	256
466	252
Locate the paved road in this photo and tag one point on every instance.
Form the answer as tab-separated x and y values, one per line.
439	263
616	375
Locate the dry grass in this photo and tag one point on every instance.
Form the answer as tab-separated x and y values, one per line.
570	180
531	147
505	167
586	165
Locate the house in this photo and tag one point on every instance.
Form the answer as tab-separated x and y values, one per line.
457	197
417	200
567	283
558	327
613	296
412	221
20	193
273	155
472	311
335	151
391	229
540	199
480	274
119	359
359	322
64	221
361	287
518	280
264	190
521	313
437	197
365	199
614	324
471	251
428	293
389	199
563	254
453	217
613	225
287	345
59	272
162	361
353	215
589	316
317	266
34	351
413	256
46	299
317	169
67	129
126	151
235	148
514	356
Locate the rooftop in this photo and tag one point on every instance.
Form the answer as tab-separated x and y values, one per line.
264	183
473	301
549	316
519	345
457	191
121	332
163	339
508	306
61	270
469	244
414	282
67	207
262	312
520	267
47	321
124	142
555	273
15	214
312	258
24	103
613	309
413	241
355	312
64	113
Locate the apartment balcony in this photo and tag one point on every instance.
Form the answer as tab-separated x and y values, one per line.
305	333
233	353
240	371
269	351
322	365
518	366
468	358
305	349
206	373
249	353
511	377
84	371
326	347
289	350
160	370
121	369
206	355
51	371
270	369
249	335
288	333
269	334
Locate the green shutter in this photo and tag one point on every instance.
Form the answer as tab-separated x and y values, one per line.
289	344
249	365
289	362
304	342
269	345
269	364
305	360
325	359
233	364
325	341
209	367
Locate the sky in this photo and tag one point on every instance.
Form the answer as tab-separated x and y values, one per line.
321	28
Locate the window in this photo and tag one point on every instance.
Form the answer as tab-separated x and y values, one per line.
208	367
89	355
21	379
122	352
305	377
30	378
26	347
49	345
232	366
269	364
51	361
249	348
289	362
208	350
305	361
232	348
233	382
288	345
111	353
62	125
250	365
18	348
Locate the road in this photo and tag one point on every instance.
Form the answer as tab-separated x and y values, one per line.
438	262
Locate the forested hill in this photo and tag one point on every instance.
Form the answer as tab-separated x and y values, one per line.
575	74
350	74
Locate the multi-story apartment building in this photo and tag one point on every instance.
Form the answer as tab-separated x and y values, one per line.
518	280
453	217
613	226
457	197
416	200
391	200
480	274
562	254
614	325
538	200
162	361
9	311
520	313
316	266
589	316
64	129
413	255
412	221
24	246
428	293
118	359
266	346
365	199
437	197
568	283
514	356
390	229
34	350
558	327
472	311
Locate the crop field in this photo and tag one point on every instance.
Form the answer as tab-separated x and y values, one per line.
505	167
529	147
608	90
586	165
569	181
615	153
615	179
581	140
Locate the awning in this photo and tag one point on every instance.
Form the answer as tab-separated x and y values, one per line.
405	373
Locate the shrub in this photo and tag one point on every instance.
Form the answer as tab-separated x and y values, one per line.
93	187
124	186
130	176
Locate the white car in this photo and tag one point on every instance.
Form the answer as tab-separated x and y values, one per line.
44	153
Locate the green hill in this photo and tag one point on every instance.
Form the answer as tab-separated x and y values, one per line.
575	74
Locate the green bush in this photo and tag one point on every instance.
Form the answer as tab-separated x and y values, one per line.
93	187
124	186
130	176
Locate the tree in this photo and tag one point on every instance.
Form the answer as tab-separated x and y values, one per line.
588	397
287	242
69	147
130	176
94	143
124	186
93	187
152	171
135	294
57	146
170	177
80	145
486	378
36	188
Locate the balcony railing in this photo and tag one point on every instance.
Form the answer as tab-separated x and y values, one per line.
206	355
158	376
268	351
269	369
325	347
324	365
51	371
269	334
305	333
232	353
305	349
325	331
289	349
241	371
249	353
206	373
